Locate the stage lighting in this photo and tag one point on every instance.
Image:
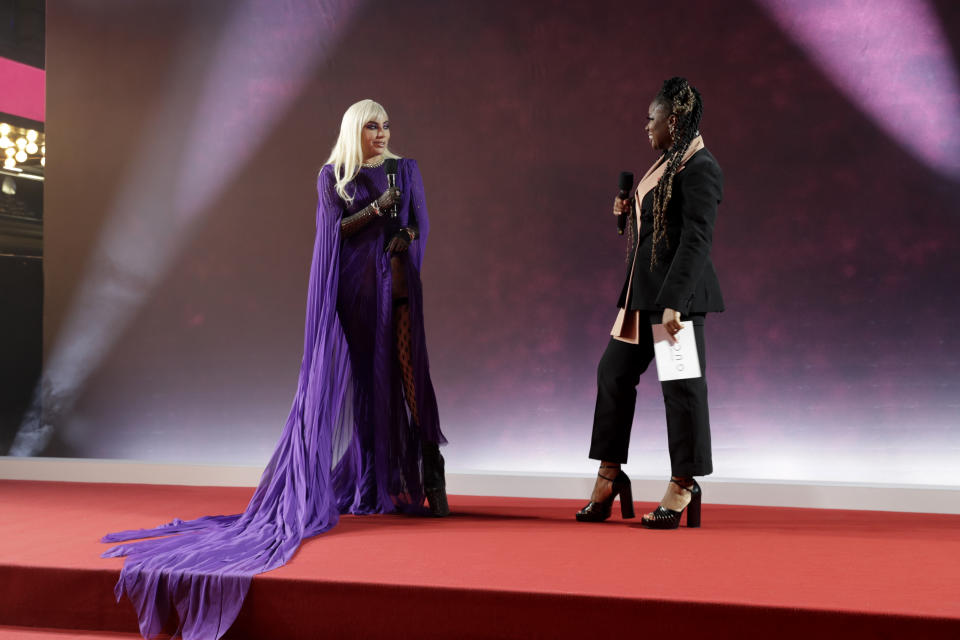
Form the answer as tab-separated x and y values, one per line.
23	147
139	240
4	129
889	58
43	161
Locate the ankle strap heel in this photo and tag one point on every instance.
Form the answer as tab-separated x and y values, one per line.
663	518
600	511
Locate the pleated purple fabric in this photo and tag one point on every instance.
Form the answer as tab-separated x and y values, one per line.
348	445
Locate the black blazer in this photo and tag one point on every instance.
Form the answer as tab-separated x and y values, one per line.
683	278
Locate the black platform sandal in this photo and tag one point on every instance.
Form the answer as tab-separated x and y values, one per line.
600	511
663	518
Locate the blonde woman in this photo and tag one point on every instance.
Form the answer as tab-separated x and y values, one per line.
363	434
383	232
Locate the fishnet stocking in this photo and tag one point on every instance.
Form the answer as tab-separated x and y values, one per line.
401	320
401	329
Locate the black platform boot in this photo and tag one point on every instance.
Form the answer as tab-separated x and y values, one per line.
434	480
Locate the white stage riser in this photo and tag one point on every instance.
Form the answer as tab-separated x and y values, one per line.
925	499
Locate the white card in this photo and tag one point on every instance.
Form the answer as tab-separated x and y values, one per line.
676	359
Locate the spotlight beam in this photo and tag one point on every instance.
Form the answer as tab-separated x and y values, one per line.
263	57
892	59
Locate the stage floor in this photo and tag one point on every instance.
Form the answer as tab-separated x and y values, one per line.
508	568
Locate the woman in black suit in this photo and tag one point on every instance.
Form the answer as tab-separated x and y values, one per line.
671	279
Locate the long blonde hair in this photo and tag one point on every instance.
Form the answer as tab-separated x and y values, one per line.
347	154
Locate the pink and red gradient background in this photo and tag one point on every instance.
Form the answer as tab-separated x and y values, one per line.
836	246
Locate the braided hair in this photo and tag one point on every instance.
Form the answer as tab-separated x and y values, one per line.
683	100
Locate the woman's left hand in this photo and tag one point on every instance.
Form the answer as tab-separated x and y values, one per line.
671	321
400	242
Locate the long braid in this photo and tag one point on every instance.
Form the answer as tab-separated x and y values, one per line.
684	101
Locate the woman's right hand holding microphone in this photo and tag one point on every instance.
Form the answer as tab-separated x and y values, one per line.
620	206
388	198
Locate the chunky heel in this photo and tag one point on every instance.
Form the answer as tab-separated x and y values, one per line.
626	501
693	510
663	518
600	511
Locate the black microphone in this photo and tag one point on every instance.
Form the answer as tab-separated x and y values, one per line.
390	166
626	184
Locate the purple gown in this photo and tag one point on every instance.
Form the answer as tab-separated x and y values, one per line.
348	445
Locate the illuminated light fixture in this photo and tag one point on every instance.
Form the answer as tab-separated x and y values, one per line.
24	147
43	161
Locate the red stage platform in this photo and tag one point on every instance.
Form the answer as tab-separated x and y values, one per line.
504	568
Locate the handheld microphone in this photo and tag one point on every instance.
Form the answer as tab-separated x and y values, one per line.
390	166
626	184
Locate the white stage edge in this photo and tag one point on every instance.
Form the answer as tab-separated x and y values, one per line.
910	498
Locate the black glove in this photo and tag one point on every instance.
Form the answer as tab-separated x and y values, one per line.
401	240
350	225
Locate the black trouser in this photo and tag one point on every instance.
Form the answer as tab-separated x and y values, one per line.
688	419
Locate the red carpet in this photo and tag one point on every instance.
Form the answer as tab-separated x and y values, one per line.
505	568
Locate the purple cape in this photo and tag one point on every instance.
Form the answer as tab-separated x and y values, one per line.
348	445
